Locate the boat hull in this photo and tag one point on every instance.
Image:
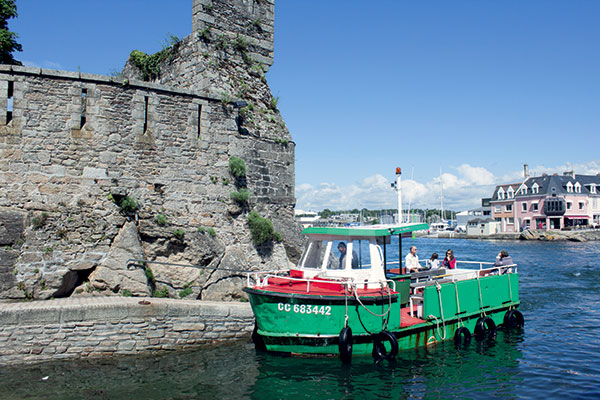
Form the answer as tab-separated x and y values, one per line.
307	324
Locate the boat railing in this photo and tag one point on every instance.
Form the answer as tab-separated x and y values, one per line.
460	274
254	277
347	283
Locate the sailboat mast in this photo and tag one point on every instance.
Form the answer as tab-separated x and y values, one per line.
441	196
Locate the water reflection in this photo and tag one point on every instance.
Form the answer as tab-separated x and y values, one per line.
483	369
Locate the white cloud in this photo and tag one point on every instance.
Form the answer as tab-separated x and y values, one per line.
463	190
375	192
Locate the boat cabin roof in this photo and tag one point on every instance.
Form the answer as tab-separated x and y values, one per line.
350	253
363	231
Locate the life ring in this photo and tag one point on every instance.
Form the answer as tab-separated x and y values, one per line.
345	345
257	339
485	326
513	319
379	350
462	336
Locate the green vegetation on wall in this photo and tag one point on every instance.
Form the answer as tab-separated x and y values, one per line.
149	65
261	229
237	167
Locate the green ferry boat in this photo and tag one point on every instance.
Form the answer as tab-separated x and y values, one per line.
345	298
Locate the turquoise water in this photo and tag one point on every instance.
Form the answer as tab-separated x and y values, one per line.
557	355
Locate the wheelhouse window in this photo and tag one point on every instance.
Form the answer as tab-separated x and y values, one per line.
354	254
313	256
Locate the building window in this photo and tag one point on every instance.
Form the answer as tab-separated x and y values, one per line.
510	220
9	102
577	188
508	207
593	189
145	114
569	205
534	206
510	193
199	121
535	188
569	187
581	205
497	209
523	206
83	119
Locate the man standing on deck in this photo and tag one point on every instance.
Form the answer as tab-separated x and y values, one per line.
412	260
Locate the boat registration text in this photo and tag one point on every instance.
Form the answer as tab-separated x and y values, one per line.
304	309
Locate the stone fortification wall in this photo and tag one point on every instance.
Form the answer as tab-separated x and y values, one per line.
73	146
62	329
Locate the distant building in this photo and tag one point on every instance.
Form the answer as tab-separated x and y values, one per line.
306	218
463	217
483	227
548	202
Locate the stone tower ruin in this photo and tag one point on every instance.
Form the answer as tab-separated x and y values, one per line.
99	173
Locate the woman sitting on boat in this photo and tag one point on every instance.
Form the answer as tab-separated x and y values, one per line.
449	261
503	259
434	262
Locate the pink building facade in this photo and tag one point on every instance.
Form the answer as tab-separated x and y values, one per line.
547	202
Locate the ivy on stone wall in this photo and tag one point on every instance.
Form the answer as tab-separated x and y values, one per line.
149	65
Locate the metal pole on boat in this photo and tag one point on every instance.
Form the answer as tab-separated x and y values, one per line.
399	191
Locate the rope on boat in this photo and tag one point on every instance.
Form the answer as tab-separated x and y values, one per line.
458	304
509	292
480	297
437	322
371	312
346	306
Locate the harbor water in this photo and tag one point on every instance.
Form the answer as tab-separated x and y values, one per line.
557	355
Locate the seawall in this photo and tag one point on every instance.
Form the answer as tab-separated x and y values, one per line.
106	326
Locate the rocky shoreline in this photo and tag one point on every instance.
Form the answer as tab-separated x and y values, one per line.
551	235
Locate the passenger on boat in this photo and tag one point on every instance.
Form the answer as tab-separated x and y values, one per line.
503	259
433	261
449	261
412	260
342	248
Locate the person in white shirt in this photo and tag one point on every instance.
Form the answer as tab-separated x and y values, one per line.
412	260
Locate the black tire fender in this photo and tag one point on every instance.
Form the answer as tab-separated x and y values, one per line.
345	345
513	319
485	326
257	339
462	336
379	350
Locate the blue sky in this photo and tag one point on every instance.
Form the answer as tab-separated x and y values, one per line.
476	88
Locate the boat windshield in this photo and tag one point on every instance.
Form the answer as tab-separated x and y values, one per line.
314	254
355	252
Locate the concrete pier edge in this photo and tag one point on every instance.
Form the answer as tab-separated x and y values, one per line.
85	327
